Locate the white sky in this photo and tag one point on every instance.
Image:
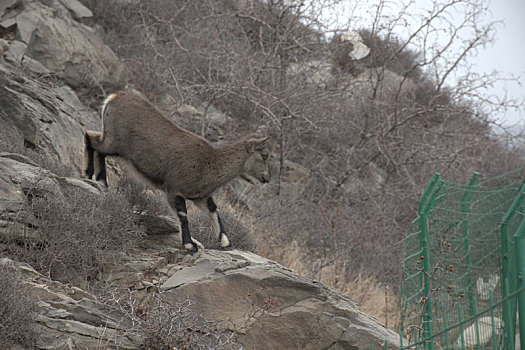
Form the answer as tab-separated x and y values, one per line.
507	54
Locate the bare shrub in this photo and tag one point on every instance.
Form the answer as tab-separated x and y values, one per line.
240	236
142	200
16	310
370	144
81	234
163	326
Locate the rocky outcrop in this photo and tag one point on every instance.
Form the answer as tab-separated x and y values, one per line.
42	116
21	178
48	40
69	318
268	305
273	307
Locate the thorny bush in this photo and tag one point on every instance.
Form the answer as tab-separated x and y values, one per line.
81	234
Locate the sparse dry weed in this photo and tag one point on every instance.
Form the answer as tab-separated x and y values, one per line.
163	326
80	234
16	310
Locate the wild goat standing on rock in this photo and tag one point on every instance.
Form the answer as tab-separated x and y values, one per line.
182	164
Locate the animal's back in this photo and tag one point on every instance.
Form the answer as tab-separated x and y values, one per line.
156	146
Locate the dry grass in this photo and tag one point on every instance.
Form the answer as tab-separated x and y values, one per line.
16	310
372	297
80	234
234	224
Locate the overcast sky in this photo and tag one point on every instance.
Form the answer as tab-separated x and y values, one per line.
507	54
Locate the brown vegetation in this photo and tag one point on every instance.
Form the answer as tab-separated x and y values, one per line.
371	143
80	235
16	310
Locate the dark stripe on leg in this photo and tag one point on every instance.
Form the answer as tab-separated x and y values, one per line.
212	207
90	167
101	161
180	207
220	226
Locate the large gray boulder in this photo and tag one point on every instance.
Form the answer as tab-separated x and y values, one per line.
20	177
48	40
76	8
42	116
273	307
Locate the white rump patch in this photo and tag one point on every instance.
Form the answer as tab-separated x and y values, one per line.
106	101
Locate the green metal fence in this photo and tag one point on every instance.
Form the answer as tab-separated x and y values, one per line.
464	259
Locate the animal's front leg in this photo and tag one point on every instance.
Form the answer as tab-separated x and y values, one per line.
209	206
182	213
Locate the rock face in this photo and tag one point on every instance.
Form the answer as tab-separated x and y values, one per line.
67	317
20	177
273	307
48	40
42	116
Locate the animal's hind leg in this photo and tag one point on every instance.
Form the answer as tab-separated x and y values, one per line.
209	206
96	151
101	168
179	203
89	166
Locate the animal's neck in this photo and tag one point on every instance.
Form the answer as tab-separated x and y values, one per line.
232	158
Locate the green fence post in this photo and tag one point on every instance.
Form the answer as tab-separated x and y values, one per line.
424	206
461	335
445	324
492	320
423	199
519	244
508	307
465	203
476	325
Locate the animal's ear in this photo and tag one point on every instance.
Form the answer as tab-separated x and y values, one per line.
256	144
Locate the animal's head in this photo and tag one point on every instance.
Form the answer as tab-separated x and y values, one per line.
257	165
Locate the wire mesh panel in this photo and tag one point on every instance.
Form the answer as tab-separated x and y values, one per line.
459	285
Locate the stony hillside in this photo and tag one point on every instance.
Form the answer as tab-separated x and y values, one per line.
113	293
265	305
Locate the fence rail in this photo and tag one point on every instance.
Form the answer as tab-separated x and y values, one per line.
464	266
